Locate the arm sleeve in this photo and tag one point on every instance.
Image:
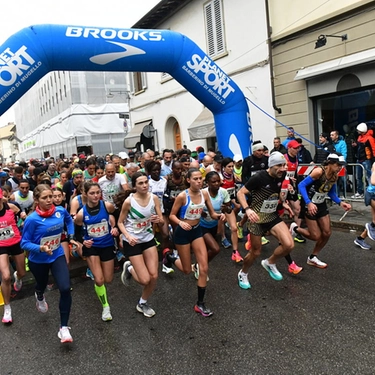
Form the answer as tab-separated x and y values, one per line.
302	188
333	196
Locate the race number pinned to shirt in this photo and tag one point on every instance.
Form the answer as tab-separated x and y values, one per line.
319	198
98	230
141	226
269	206
194	213
6	233
52	241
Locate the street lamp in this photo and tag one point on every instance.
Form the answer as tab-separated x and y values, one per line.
322	39
111	94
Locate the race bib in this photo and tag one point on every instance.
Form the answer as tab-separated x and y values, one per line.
269	206
319	198
6	233
194	213
52	241
231	191
174	193
290	174
98	230
141	226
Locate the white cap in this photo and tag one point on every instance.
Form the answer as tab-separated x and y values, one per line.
336	158
276	158
123	155
237	158
362	127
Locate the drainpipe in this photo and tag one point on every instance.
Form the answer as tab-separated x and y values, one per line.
276	108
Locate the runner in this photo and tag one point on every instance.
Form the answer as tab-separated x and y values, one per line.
315	188
98	242
42	238
264	188
10	246
140	209
185	214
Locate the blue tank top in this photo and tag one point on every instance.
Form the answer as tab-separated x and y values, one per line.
190	210
97	227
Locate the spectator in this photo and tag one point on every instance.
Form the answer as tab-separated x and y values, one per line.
303	155
324	150
290	137
277	146
340	146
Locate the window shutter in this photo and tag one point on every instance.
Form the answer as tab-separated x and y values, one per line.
215	27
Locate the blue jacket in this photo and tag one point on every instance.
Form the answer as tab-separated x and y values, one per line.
49	229
340	146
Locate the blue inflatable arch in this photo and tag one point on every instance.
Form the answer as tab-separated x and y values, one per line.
37	50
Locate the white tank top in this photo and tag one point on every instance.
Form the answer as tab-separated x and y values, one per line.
138	222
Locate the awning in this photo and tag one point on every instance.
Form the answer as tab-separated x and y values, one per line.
134	136
336	64
203	126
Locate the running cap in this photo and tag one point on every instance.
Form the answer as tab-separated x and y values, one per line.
336	159
276	158
123	155
362	127
293	144
237	158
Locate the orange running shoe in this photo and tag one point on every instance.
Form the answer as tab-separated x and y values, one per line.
248	243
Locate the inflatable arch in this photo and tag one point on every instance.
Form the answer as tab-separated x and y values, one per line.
34	51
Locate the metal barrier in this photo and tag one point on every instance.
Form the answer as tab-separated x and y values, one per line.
306	169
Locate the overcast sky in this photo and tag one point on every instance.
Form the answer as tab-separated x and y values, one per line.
112	13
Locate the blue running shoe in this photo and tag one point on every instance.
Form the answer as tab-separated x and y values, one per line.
89	274
272	270
226	244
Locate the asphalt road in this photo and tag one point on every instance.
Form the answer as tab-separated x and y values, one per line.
319	322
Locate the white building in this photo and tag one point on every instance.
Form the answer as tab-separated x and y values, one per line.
231	32
70	112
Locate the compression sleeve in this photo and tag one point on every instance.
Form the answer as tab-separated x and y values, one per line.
332	194
302	188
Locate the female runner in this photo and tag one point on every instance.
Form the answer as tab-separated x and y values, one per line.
98	242
42	238
185	214
140	209
314	190
10	239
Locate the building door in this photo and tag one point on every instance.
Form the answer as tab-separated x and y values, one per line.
177	136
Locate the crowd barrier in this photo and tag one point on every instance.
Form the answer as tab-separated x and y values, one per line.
306	169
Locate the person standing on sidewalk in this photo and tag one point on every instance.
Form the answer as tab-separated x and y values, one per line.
262	213
340	146
315	188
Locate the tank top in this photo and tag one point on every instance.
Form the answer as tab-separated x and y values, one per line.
230	187
320	188
138	222
292	166
25	203
221	197
190	210
97	227
9	233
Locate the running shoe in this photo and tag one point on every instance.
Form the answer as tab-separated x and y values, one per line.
226	244
292	231
145	309
41	306
125	274
265	241
357	196
272	270
119	256
298	238
248	243
362	244
64	335
203	310
239	231
166	265
316	262
106	314
195	270
294	269
7	318
157	242
243	280
236	257
89	274
17	282
370	231
27	264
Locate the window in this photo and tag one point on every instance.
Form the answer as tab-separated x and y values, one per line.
138	82
213	11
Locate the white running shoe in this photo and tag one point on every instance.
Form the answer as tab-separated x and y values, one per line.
272	270
17	282
64	335
291	229
41	306
316	262
7	318
106	314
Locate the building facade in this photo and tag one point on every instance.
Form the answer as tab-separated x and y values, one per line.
234	34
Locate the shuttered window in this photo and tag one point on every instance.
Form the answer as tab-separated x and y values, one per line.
138	82
215	28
